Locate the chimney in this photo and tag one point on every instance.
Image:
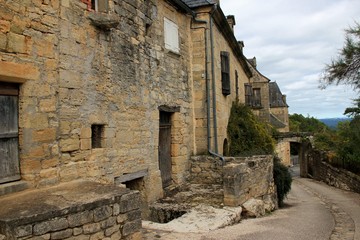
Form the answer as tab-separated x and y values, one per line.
253	62
231	20
284	98
241	45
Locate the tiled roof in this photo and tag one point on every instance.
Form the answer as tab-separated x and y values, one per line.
198	3
276	97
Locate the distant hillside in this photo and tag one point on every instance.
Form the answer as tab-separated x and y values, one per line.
332	122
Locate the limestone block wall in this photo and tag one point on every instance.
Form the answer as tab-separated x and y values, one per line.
242	177
282	149
320	170
223	103
83	76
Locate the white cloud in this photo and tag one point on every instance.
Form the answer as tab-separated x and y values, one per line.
292	41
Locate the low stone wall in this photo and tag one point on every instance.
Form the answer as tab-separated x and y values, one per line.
340	178
242	178
76	211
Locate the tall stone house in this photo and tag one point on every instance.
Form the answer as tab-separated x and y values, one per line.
120	91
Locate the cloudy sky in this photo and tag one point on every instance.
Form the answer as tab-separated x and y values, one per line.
292	41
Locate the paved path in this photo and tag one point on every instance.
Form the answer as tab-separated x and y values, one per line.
314	211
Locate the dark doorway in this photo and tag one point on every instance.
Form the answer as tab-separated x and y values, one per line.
165	148
9	136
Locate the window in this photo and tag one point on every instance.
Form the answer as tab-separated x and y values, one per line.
248	94
171	35
225	73
256	97
97	135
9	135
99	5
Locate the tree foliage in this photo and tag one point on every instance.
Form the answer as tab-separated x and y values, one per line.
299	123
346	67
248	135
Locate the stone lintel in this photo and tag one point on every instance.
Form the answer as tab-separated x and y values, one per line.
18	73
42	204
131	176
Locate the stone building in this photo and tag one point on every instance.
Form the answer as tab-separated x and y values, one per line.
117	91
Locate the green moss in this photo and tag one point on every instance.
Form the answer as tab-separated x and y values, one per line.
247	134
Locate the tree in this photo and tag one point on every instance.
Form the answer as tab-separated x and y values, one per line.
346	68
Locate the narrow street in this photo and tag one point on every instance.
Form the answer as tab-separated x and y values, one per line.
313	211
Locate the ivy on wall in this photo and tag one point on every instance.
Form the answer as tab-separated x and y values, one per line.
247	134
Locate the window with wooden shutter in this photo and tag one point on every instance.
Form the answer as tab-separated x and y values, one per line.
248	94
171	35
237	85
9	135
225	73
256	97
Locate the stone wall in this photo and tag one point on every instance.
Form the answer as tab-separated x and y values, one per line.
320	170
242	178
73	74
201	79
77	211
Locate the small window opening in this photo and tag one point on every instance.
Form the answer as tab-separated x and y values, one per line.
94	5
97	133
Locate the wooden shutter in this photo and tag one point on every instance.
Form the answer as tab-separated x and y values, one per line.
248	94
9	136
171	34
225	73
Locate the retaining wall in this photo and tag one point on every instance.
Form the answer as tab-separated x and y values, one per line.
76	211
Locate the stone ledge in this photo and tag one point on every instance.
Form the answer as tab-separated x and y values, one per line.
41	204
12	187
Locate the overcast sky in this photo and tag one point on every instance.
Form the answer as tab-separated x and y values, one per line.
292	41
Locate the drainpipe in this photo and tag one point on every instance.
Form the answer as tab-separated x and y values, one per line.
213	78
207	77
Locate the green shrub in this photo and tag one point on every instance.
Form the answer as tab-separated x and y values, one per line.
282	179
247	134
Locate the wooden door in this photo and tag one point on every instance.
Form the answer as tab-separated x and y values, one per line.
9	140
165	148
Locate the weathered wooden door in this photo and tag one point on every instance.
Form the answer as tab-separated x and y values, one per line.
9	152
165	148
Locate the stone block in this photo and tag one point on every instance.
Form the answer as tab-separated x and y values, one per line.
97	236
81	218
50	226
134	215
44	135
69	144
3	41
62	234
4	26
15	72
111	230
17	43
131	227
85	132
130	201
23	231
70	79
102	213
253	208
91	228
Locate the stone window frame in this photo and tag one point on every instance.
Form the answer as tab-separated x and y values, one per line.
97	136
225	72
171	36
97	5
256	97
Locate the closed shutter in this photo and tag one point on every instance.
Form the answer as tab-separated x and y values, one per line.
225	73
171	35
9	137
